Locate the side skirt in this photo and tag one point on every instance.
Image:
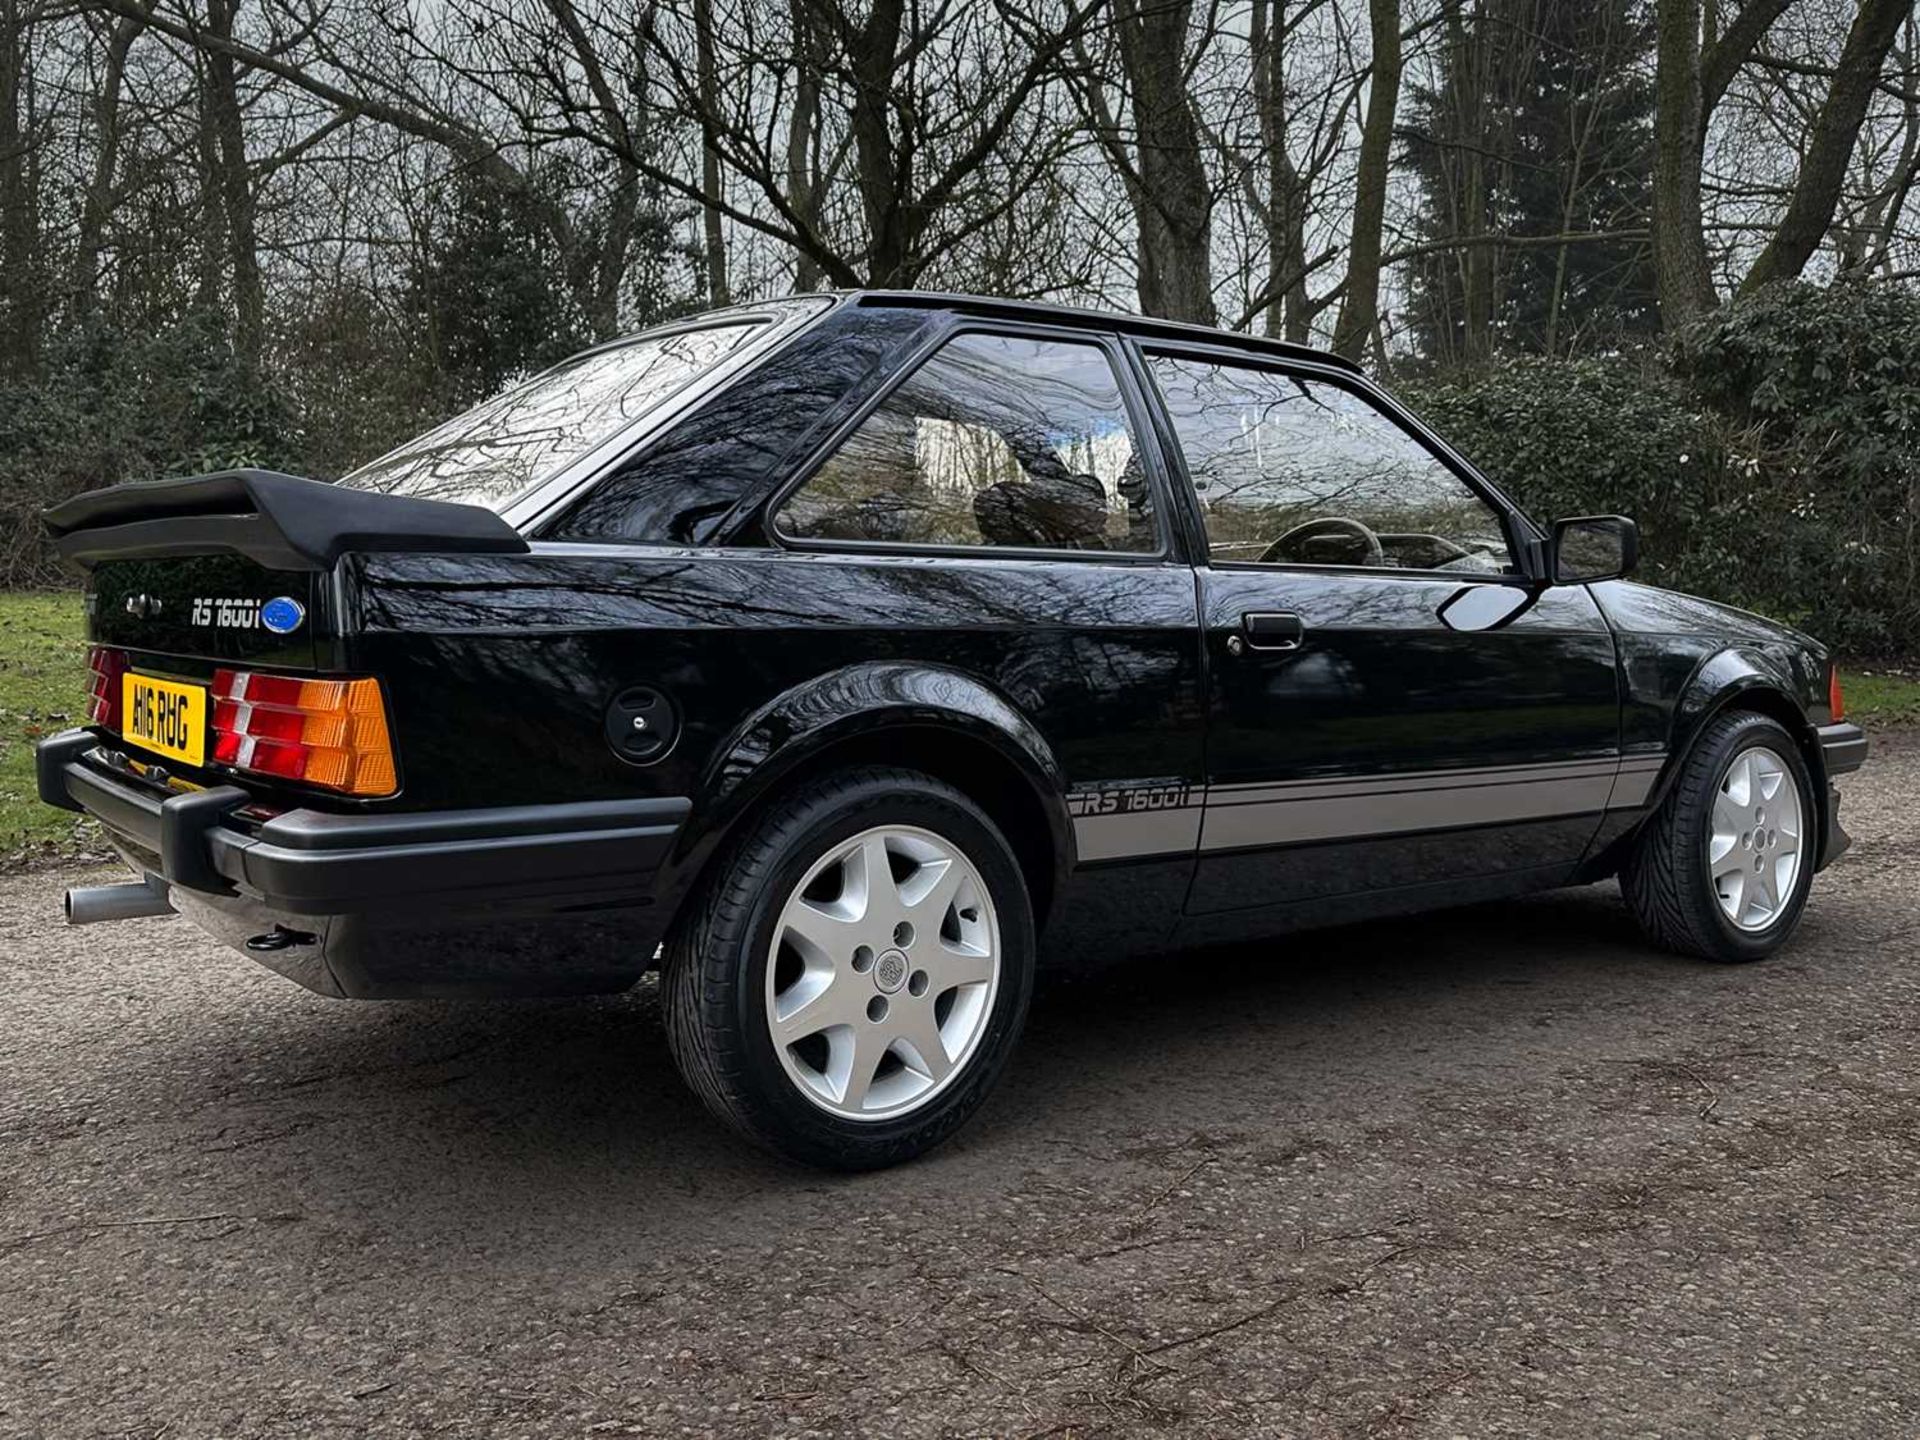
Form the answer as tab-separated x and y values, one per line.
1265	921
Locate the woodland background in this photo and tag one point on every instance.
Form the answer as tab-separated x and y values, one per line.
1654	256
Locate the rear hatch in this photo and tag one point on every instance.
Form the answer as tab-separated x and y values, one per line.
213	608
193	583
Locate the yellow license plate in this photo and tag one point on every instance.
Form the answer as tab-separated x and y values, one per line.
165	716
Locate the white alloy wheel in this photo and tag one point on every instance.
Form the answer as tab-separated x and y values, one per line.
1753	844
881	979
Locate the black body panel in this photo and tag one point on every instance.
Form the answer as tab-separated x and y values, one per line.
1063	675
1106	654
1379	686
380	906
1179	749
170	608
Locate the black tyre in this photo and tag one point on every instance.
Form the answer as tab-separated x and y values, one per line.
1722	869
851	980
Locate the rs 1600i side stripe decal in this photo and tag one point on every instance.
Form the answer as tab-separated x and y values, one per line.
1124	822
1164	818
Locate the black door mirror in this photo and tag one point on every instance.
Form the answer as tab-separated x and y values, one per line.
1594	547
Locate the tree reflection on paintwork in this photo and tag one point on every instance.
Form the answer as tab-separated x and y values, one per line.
526	650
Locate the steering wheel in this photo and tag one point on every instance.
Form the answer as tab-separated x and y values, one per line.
1326	524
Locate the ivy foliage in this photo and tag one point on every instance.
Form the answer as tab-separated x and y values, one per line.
118	407
1771	454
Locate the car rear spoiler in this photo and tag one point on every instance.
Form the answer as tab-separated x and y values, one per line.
280	521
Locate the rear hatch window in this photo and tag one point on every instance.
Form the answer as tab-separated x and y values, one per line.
500	449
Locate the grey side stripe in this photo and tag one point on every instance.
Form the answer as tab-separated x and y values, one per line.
1219	795
1422	802
1122	837
1166	818
1634	783
1148	817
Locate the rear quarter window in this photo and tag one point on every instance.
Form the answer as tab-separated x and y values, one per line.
996	441
690	485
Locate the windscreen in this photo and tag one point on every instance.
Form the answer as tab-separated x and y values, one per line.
500	448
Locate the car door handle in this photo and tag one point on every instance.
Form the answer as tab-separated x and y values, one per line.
1271	630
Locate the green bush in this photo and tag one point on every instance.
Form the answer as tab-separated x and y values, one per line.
1823	387
1771	457
116	407
1584	437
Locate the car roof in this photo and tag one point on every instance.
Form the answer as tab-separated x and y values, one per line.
1038	312
1045	312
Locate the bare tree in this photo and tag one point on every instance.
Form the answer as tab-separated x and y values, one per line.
21	296
1283	208
1823	171
97	204
1360	310
1681	267
229	186
1160	163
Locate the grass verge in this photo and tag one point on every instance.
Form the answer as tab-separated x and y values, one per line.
1885	696
43	672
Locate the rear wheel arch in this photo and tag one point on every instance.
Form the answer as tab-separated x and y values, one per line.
940	722
784	1043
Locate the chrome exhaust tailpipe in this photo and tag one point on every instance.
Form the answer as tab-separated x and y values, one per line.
91	904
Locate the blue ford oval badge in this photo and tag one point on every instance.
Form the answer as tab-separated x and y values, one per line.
282	614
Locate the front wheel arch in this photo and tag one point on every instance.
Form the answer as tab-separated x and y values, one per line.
1739	679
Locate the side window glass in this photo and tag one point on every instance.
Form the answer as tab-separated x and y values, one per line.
1297	471
996	441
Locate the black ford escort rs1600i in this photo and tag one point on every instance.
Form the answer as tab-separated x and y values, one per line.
850	654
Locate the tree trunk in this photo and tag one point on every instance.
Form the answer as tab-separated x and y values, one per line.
1288	314
1475	145
231	183
1683	276
211	242
803	129
885	175
1360	307
19	225
610	265
97	206
709	83
1823	174
1173	203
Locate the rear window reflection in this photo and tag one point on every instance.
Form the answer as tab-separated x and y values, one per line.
500	448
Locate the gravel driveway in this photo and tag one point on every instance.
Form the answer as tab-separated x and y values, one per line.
1495	1172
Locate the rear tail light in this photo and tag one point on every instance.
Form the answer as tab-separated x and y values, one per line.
331	733
1836	703
105	667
